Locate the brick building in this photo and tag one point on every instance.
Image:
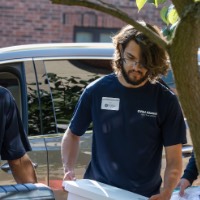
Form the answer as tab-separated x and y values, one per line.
40	21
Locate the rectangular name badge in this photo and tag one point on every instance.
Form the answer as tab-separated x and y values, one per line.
108	103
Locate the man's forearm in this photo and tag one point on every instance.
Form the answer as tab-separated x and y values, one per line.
171	179
23	170
69	150
173	169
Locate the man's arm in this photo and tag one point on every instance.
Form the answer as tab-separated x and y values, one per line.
190	174
69	152
172	172
23	170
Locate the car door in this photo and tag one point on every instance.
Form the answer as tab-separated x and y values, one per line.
48	127
64	80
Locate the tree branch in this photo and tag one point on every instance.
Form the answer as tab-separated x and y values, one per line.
112	10
181	5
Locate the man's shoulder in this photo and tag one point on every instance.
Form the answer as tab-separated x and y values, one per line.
163	94
3	90
164	89
5	96
102	81
4	93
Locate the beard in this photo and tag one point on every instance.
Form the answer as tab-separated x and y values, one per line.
131	81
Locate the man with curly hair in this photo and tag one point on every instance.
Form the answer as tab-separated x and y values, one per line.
133	117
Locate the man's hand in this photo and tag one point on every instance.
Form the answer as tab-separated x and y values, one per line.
183	184
164	195
70	175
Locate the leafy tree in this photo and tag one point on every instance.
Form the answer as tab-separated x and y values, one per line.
182	47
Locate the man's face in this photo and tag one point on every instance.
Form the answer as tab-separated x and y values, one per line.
134	73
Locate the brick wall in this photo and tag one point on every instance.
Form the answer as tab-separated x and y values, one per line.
40	21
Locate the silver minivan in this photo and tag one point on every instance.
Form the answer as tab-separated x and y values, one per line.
46	81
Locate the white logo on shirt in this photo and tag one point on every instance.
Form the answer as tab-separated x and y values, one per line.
147	113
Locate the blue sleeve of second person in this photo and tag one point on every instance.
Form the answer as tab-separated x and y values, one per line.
82	118
191	171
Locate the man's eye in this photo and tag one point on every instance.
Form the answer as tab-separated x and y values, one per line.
132	59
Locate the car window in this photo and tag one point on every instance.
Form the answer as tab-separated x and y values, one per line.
41	118
11	82
67	79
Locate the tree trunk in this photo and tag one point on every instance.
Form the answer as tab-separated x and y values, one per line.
184	60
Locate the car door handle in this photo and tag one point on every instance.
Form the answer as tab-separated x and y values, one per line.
6	168
187	150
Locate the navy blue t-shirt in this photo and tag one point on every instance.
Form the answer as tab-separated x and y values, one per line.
13	140
130	128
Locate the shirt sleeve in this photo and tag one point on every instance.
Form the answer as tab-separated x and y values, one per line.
191	172
173	127
82	115
14	139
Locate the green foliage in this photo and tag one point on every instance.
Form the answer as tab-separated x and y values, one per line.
169	15
156	2
172	15
140	4
163	14
168	31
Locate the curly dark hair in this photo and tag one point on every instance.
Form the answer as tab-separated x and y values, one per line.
153	57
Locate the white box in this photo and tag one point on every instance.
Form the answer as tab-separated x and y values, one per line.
84	189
